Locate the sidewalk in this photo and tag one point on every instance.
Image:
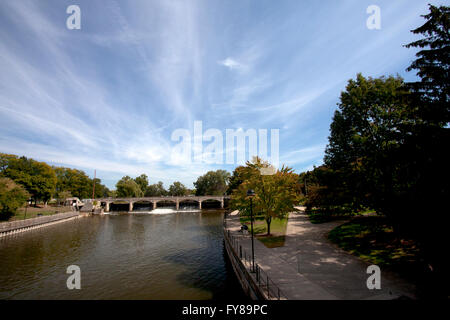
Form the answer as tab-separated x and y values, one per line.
310	267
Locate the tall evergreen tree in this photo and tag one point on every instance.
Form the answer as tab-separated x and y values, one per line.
432	65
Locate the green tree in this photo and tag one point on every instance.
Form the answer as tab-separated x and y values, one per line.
433	65
365	140
4	161
156	190
178	189
101	191
38	178
275	195
327	191
142	181
63	195
75	181
213	183
236	179
423	174
12	197
127	187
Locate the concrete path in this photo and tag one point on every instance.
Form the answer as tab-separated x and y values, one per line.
309	266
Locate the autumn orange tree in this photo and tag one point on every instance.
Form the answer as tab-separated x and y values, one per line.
275	193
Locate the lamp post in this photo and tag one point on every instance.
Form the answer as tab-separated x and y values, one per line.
28	202
251	194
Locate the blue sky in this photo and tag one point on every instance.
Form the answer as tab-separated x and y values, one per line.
109	96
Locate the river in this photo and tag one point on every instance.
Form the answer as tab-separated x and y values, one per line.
174	255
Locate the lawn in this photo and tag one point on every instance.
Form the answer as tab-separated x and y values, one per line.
373	239
277	230
32	212
318	216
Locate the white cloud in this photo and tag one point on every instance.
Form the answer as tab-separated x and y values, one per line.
231	63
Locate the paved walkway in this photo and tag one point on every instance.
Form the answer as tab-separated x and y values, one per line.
309	266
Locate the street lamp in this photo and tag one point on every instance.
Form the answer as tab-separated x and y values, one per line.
28	202
251	194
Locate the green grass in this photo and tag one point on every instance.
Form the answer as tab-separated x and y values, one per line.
32	212
277	230
373	239
272	241
317	216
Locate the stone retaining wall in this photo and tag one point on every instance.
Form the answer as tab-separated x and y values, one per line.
7	228
246	280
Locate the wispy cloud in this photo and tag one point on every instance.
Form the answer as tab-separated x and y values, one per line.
109	96
231	64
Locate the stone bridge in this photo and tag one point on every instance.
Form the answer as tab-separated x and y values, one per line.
106	202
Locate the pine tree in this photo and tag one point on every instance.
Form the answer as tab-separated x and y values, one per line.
432	65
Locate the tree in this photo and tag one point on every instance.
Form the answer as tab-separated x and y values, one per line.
101	191
425	176
213	183
365	139
4	161
127	187
75	181
12	197
178	189
275	195
38	178
156	190
78	183
142	181
327	191
236	179
433	65
62	196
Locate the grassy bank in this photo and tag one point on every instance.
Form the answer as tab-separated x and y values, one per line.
277	230
33	212
373	239
319	216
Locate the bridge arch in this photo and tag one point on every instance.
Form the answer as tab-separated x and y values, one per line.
143	204
165	203
188	202
212	203
119	205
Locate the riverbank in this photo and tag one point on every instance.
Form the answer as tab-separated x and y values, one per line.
14	227
33	212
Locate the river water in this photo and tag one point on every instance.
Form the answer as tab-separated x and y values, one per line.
170	255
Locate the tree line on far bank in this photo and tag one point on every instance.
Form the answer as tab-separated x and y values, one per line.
213	183
23	178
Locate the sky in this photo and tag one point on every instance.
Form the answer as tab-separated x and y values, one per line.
110	95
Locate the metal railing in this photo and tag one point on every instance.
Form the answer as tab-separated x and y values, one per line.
260	277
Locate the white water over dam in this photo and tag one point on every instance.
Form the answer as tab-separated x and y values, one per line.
148	210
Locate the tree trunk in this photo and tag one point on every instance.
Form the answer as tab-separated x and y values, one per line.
268	220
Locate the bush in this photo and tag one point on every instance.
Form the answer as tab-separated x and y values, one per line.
12	197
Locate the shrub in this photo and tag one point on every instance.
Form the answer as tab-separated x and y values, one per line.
12	197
